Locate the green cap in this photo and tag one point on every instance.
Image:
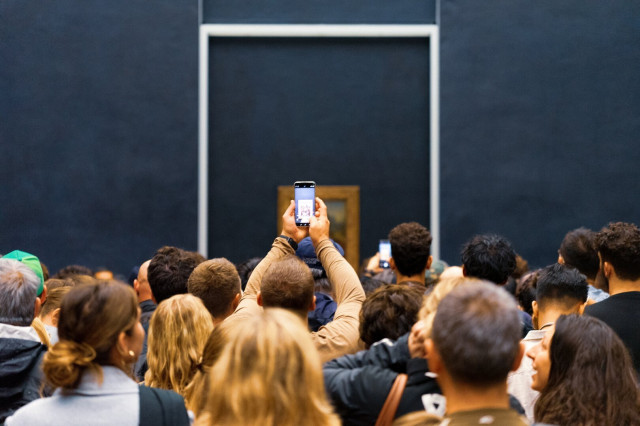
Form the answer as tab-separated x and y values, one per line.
31	261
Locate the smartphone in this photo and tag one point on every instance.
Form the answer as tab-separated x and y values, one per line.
384	248
305	195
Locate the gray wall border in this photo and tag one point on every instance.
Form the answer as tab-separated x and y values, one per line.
318	31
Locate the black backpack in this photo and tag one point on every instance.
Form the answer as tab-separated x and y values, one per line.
160	407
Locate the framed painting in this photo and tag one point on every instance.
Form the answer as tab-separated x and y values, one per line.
343	206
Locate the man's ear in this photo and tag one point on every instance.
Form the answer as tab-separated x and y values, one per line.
136	286
560	259
313	304
429	261
36	307
518	360
535	313
235	302
608	269
392	264
55	317
433	357
43	295
464	271
259	298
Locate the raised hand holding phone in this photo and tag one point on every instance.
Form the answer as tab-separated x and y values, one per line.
319	223
289	227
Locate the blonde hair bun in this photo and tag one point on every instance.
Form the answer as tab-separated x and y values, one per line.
66	360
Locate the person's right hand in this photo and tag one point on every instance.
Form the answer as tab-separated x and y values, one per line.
319	224
289	228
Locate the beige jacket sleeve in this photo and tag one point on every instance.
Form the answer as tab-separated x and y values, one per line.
248	305
340	336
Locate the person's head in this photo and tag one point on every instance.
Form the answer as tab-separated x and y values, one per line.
141	283
33	263
178	330
98	326
584	374
53	283
526	291
430	306
69	270
488	257
288	284
19	301
619	248
389	312
217	283
410	245
559	288
103	273
369	285
270	356
169	271
578	250
246	268
50	312
475	339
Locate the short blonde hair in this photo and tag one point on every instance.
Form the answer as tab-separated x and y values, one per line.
269	373
429	307
178	331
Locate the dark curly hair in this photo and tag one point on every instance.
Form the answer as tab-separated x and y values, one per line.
591	379
169	271
389	312
619	244
578	250
410	245
489	257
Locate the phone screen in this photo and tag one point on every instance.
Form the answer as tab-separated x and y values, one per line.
305	195
384	248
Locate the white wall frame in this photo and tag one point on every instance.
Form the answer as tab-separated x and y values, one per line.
318	31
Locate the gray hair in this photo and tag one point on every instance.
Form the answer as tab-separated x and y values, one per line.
477	332
18	292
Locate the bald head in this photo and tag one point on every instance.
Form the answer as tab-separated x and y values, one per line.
141	284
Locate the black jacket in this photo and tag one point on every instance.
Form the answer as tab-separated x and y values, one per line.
358	384
20	373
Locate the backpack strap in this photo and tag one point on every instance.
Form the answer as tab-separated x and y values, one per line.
160	407
388	411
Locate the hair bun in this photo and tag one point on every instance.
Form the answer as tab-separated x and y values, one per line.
66	360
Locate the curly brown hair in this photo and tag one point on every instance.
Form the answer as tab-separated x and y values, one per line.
591	379
619	244
410	245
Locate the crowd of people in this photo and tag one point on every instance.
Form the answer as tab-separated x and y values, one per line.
298	337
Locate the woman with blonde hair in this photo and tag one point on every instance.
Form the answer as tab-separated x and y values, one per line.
269	373
90	366
178	331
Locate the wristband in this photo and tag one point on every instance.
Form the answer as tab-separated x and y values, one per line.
291	242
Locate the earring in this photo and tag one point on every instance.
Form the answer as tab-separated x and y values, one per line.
132	354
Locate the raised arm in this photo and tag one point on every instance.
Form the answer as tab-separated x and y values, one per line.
280	248
341	335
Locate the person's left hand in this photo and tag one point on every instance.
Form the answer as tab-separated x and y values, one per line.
417	339
319	224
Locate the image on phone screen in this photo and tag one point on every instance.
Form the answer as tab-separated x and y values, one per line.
305	195
384	248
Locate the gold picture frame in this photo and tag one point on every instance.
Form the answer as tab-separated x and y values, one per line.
343	205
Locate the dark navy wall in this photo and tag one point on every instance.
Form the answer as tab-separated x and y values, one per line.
98	129
337	111
540	117
540	120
